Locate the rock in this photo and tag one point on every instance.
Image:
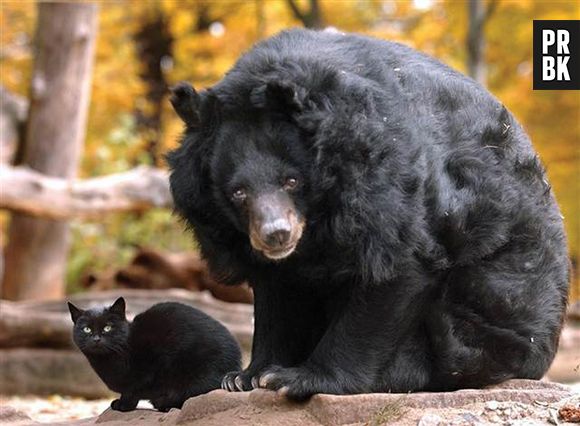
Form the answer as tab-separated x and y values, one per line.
139	416
471	419
9	415
48	371
492	405
211	403
430	420
570	413
261	407
523	384
527	422
553	416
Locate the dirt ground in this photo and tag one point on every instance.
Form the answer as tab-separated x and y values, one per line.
57	408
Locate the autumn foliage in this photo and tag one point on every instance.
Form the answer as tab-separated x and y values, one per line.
143	47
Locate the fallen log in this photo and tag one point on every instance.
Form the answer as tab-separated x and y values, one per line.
38	371
27	191
48	324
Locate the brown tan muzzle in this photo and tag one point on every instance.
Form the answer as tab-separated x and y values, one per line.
275	225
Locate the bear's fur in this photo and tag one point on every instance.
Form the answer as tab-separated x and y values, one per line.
427	251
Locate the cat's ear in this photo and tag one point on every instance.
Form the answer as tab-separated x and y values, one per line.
75	312
118	307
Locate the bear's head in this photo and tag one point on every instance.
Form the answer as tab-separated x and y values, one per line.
302	162
249	170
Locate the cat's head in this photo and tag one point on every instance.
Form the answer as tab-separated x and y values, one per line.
100	331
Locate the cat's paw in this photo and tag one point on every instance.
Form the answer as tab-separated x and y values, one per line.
296	383
237	381
119	405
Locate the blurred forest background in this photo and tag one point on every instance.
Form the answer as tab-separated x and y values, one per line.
144	47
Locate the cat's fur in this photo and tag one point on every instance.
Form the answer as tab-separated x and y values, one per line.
168	354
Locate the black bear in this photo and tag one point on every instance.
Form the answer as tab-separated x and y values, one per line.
390	214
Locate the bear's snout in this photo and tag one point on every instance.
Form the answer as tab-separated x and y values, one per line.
276	233
275	226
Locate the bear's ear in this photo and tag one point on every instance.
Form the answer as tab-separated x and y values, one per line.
278	95
186	102
75	312
118	307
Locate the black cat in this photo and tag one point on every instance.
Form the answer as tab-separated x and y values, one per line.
168	354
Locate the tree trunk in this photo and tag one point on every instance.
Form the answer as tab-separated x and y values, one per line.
475	41
154	45
478	15
37	249
260	20
13	112
310	18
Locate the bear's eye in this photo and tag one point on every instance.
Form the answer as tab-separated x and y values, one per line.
290	184
107	328
87	329
239	195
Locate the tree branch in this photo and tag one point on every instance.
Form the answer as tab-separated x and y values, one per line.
27	191
315	10
490	10
296	11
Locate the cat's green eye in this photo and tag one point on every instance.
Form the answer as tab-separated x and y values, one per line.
107	328
87	329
